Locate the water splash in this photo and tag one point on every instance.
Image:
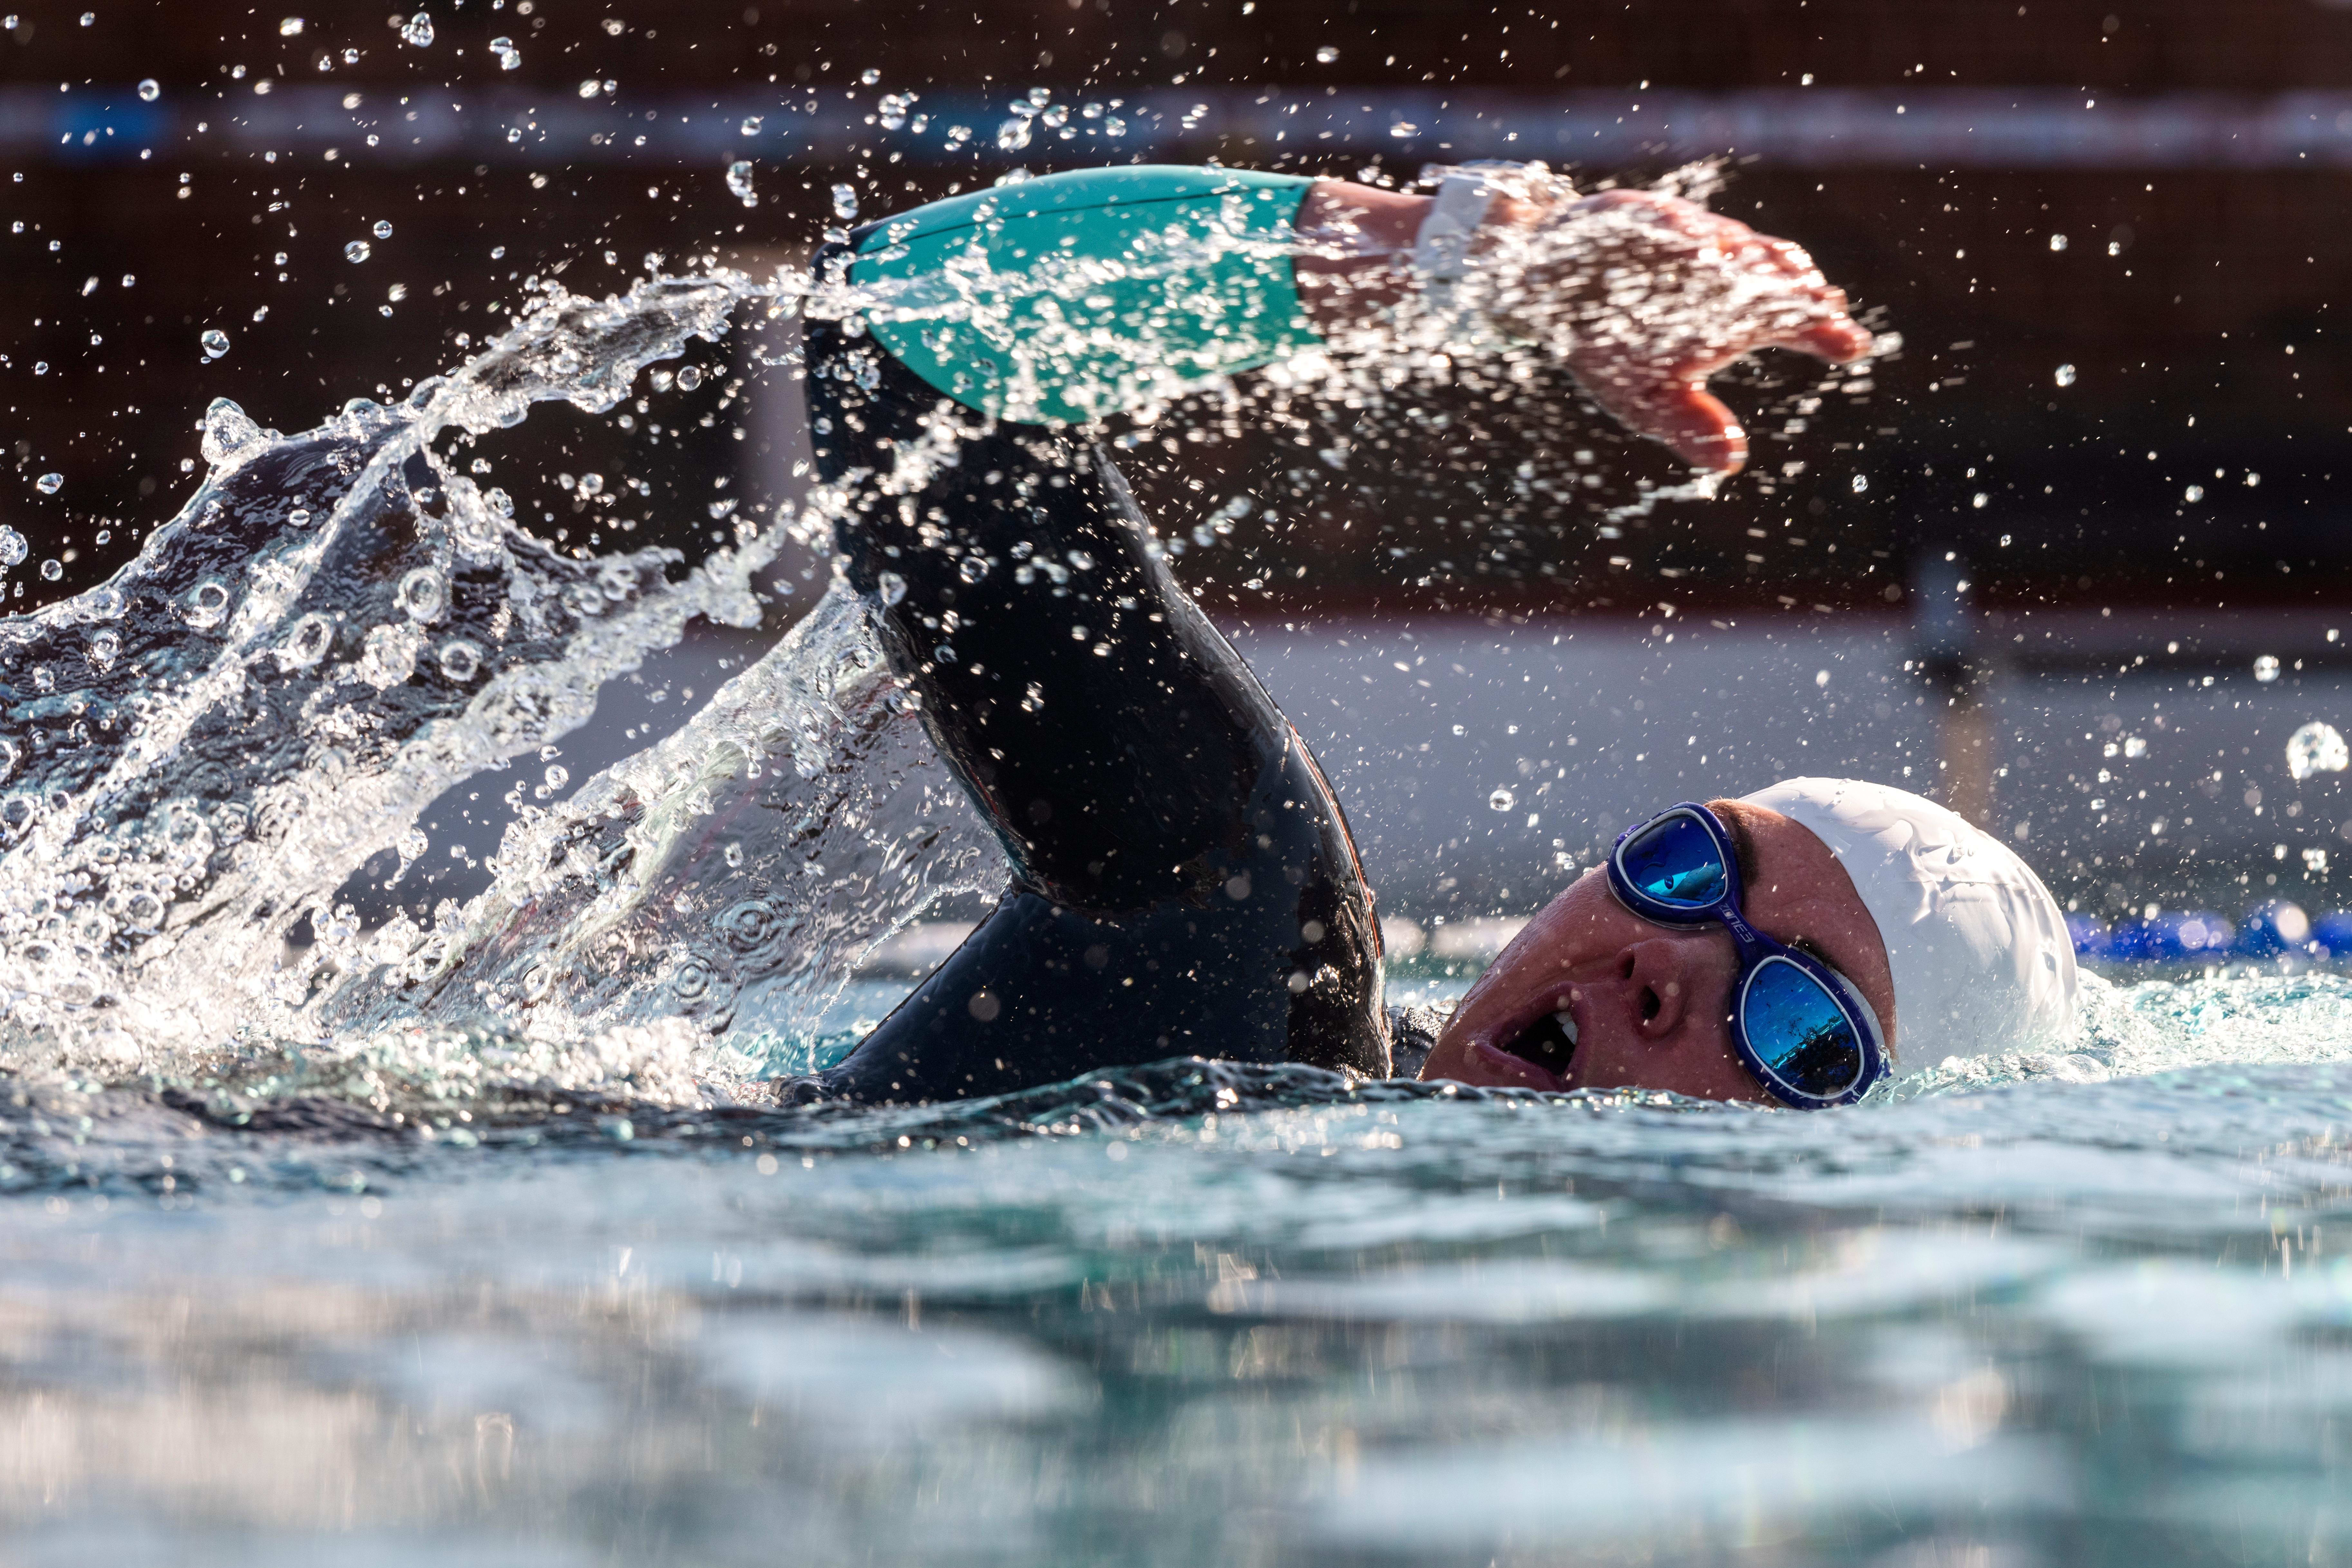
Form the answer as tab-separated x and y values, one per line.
340	626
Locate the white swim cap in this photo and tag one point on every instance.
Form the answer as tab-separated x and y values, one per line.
1982	956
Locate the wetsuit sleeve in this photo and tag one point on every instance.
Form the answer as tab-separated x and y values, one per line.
1085	295
1183	881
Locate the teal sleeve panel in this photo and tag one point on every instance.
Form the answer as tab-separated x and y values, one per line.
1078	296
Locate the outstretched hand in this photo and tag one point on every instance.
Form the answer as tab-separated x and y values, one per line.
1647	295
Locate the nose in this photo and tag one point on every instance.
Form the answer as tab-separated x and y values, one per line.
1664	976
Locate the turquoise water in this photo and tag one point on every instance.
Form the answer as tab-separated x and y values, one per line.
2078	1315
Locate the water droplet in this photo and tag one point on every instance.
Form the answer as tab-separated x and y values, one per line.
1860	483
2057	242
893	588
50	484
357	250
383	229
869	76
959	134
150	89
1325	55
214	341
291	27
1502	800
893	107
508	56
972	568
299	517
1980	501
1404	130
739	183
104	648
307	642
2267	667
2317	748
751	126
1012	135
13	548
460	659
2193	493
558	775
423	594
2065	376
845	202
207	603
689	376
419	30
412	844
52	570
89	18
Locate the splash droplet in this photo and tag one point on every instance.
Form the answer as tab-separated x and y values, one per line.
2065	376
460	659
689	376
50	484
1325	55
51	570
383	229
291	27
423	593
13	548
419	30
214	341
1502	800
2057	242
2317	748
845	202
2267	667
209	603
150	89
1012	135
508	56
739	183
751	126
357	250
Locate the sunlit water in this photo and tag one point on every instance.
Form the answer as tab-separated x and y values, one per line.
469	1239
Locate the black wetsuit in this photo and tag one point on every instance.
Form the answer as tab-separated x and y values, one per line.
1183	881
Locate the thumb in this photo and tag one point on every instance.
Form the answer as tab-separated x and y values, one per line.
1681	412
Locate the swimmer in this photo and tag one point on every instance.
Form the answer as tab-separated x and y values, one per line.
1184	883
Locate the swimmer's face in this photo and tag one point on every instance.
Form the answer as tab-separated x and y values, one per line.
1652	1005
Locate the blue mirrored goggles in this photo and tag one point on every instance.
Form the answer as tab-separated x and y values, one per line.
1797	1024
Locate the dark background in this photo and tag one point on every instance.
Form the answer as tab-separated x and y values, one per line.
2216	303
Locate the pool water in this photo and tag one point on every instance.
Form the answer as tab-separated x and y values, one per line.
2073	1313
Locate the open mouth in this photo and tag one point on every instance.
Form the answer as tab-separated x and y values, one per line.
1548	1043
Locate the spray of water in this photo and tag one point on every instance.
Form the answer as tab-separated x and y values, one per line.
339	627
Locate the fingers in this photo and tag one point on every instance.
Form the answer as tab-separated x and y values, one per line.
1679	412
1837	338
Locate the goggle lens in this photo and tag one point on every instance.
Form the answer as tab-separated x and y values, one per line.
1675	861
1798	1030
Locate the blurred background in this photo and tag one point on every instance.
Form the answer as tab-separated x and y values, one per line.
2069	557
